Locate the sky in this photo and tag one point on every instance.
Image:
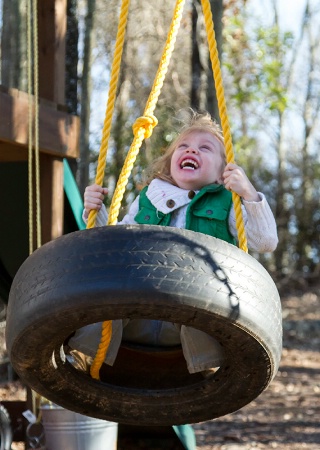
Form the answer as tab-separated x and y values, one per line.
289	12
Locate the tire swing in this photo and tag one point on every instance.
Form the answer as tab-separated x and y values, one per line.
146	272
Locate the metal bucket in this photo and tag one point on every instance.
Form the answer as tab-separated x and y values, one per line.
67	430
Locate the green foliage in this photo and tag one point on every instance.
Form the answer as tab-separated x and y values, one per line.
260	64
256	61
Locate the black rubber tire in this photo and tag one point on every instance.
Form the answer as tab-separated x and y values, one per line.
5	429
151	272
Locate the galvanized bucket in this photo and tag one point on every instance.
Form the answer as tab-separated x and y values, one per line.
68	430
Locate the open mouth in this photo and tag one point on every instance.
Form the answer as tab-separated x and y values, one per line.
189	164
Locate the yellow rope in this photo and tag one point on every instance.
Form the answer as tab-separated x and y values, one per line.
144	125
142	129
114	77
223	115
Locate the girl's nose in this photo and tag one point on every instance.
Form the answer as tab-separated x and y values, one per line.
191	150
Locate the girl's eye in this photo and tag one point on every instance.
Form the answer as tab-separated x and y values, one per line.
205	147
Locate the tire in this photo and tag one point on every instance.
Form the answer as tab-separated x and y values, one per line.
151	272
5	429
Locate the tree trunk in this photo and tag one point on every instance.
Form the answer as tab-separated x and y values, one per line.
72	58
197	68
281	214
308	235
212	103
203	93
12	37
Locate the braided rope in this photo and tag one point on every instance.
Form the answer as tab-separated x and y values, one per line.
144	125
36	120
30	128
114	77
33	100
115	71
33	119
142	129
223	115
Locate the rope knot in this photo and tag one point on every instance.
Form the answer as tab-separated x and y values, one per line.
146	122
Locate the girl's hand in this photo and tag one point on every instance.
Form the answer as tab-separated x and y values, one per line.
93	198
236	180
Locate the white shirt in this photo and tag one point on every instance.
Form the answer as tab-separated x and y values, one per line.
259	222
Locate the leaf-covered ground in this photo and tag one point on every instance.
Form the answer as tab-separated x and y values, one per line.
287	415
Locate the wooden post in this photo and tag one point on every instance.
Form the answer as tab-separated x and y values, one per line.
52	48
59	134
52	38
52	195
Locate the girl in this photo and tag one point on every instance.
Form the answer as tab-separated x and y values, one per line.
188	187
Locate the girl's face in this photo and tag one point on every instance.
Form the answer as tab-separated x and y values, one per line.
197	160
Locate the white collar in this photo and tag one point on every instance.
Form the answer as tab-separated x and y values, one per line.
159	192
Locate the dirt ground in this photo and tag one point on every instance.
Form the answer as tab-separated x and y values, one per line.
287	415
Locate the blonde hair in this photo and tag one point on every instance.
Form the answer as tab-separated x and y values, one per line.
193	121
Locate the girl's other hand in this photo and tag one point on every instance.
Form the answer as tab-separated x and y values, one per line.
236	180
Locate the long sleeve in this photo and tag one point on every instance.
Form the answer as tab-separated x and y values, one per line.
260	225
102	216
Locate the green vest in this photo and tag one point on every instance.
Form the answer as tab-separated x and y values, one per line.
207	212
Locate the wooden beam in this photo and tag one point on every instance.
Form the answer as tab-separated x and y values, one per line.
12	152
58	130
